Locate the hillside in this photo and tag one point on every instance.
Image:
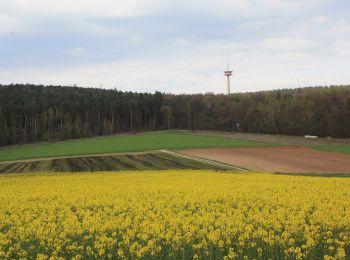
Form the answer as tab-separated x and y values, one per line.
120	144
30	113
131	161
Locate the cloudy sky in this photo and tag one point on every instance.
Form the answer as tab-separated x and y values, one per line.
177	46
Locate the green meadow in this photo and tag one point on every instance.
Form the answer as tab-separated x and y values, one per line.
121	144
334	148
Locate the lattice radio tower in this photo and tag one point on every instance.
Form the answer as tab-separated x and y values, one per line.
228	74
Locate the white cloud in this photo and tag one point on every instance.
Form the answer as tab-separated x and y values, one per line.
319	19
76	52
8	24
131	8
288	44
341	27
89	27
342	48
127	8
217	8
272	44
196	73
118	8
249	8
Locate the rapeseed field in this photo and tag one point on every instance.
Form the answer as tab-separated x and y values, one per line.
174	214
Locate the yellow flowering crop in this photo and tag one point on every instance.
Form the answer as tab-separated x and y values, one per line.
174	214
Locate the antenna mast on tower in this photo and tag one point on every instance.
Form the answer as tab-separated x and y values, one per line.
228	74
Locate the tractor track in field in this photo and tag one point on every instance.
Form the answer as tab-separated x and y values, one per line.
173	153
77	156
203	160
147	160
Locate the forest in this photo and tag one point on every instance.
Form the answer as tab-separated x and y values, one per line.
31	113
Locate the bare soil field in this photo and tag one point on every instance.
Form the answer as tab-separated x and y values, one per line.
277	159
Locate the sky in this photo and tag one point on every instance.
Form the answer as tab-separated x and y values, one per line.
175	46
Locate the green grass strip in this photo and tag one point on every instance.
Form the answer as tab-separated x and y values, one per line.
121	144
334	148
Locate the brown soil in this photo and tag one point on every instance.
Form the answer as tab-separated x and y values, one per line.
277	159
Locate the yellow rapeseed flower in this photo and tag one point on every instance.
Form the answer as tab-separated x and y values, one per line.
173	214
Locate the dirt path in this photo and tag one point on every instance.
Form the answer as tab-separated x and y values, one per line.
277	159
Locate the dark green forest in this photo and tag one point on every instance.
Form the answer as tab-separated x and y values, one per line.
30	113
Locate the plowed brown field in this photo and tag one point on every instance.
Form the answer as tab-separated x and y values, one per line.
277	159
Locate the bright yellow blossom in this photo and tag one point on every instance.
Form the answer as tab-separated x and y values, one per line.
173	214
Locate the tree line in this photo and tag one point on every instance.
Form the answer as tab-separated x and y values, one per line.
30	113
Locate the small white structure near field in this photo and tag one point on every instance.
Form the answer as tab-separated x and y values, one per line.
311	136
